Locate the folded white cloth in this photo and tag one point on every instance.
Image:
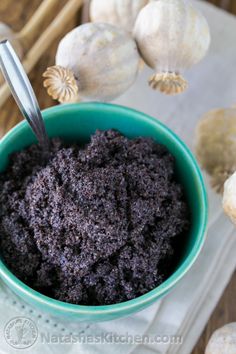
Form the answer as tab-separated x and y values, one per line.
185	311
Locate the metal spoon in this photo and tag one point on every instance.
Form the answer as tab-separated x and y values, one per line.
22	91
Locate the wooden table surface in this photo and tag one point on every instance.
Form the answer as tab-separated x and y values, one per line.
16	13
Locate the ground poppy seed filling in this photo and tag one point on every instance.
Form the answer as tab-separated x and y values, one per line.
95	225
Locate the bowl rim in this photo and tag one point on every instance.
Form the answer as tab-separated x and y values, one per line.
175	277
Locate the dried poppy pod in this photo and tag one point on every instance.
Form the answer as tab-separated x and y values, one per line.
223	340
121	13
216	145
61	83
229	197
94	61
172	36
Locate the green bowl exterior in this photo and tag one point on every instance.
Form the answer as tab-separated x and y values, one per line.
77	122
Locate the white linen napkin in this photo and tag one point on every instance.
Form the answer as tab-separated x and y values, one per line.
185	311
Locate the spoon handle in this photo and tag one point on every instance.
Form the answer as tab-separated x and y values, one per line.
22	91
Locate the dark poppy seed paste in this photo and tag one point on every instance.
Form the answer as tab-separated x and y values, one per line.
97	225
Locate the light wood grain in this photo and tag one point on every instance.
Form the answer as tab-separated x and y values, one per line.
45	37
9	114
33	27
16	13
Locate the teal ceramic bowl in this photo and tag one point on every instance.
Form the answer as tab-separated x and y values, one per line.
78	122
